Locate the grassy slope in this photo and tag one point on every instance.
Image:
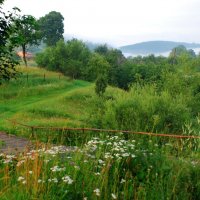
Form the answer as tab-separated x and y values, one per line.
42	102
154	171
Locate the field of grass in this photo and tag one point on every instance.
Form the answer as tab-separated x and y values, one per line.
42	102
95	165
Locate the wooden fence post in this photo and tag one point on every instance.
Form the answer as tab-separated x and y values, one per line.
32	131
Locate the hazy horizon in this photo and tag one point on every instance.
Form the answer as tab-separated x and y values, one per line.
120	23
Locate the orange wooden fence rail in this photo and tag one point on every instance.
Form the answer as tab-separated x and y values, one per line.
108	131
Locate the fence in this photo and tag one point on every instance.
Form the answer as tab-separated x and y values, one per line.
104	130
43	76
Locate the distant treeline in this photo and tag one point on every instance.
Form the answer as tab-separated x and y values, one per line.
75	59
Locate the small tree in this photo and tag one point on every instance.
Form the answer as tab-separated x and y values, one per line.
100	85
26	33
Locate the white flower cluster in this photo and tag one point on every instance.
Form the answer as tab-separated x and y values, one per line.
97	192
54	180
57	169
116	148
67	180
21	179
7	158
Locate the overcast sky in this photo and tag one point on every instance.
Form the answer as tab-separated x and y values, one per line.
121	22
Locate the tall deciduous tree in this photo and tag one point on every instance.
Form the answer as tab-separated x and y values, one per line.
116	60
27	33
52	27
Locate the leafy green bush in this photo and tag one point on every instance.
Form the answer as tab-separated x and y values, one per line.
144	109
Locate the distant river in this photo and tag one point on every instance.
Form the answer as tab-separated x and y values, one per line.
165	54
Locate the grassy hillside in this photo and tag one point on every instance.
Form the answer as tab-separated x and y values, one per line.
44	98
41	101
103	166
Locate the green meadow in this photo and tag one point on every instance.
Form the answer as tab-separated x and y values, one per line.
41	101
76	165
81	121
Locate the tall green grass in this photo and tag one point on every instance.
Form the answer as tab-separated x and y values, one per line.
104	167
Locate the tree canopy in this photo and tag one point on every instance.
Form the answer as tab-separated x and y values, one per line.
52	27
69	57
27	33
7	61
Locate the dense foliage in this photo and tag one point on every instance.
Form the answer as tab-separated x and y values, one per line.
7	61
15	31
27	33
52	27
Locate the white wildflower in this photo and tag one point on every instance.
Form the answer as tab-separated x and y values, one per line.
55	180
125	154
67	180
20	178
122	180
57	169
54	169
39	180
10	156
97	192
20	163
100	161
114	196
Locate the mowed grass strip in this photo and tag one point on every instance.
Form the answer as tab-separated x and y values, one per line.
40	99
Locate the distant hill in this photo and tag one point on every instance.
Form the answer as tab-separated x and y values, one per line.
155	47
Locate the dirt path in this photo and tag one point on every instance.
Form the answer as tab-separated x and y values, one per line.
13	144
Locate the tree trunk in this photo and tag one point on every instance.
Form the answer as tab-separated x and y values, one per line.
24	54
